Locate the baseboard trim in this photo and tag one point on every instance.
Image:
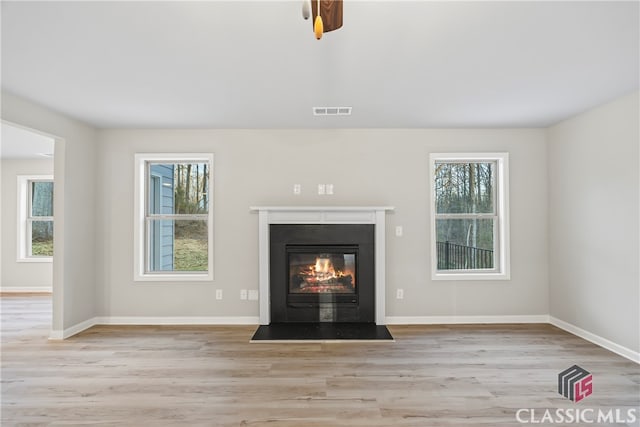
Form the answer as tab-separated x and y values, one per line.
455	320
56	335
255	320
151	321
73	330
180	320
391	320
25	290
625	352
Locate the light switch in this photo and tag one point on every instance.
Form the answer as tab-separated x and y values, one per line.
400	294
253	294
321	189
297	189
243	294
398	231
329	188
218	293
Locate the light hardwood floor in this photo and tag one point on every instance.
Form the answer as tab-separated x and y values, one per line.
464	375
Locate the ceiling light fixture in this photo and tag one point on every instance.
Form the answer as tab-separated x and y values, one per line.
318	28
330	9
306	9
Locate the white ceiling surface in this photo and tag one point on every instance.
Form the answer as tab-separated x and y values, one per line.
399	64
20	143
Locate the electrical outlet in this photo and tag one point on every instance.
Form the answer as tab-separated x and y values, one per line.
400	294
253	294
398	231
218	293
243	294
297	189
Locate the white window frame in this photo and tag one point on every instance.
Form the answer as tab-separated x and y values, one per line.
25	219
141	197
502	270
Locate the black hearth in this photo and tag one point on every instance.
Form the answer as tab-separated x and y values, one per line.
322	273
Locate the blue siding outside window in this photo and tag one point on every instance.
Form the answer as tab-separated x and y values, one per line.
161	201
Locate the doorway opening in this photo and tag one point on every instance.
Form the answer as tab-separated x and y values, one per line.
28	226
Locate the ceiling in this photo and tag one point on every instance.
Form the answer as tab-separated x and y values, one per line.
20	143
399	64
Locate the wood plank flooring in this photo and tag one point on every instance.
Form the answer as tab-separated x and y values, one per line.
463	375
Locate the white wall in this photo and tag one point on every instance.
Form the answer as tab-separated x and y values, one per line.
34	276
564	261
367	167
594	216
74	200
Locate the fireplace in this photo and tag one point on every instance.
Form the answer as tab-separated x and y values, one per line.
322	273
373	216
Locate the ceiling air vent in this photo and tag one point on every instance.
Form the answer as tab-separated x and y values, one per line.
331	111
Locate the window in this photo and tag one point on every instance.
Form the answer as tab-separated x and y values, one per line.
470	216
35	218
174	217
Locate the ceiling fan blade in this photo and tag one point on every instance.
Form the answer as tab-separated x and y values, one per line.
331	13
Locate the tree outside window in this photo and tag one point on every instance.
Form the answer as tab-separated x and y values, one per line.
465	215
35	218
173	217
177	214
41	218
470	217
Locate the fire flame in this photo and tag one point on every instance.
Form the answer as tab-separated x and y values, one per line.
322	276
324	269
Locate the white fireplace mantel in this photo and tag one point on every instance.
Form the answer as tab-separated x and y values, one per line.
321	215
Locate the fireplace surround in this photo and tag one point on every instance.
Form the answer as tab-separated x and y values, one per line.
334	287
321	273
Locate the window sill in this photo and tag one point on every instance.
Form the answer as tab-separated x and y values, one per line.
187	277
471	276
36	260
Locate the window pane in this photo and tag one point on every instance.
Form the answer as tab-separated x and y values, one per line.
42	238
464	187
178	188
41	198
178	245
464	243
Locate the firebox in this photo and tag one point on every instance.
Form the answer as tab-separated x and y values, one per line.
327	270
322	273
